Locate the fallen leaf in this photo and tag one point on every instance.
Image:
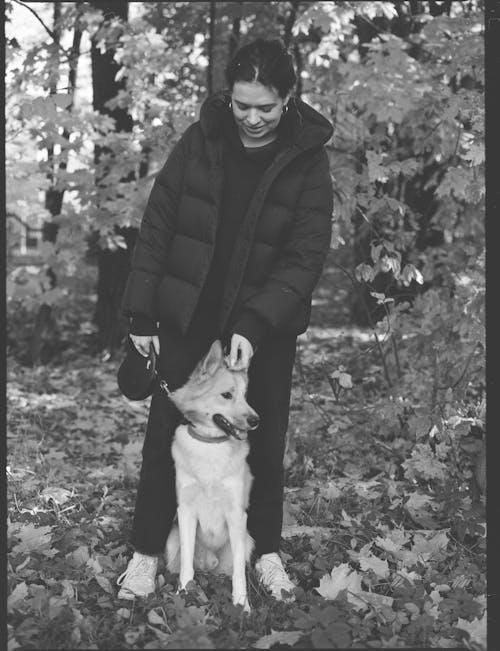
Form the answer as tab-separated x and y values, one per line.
104	583
56	604
476	629
94	564
304	530
17	595
331	491
156	619
79	556
288	516
429	547
377	565
368	561
278	637
58	495
68	589
367	489
374	599
124	613
402	574
32	539
341	578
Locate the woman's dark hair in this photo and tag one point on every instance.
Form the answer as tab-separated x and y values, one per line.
265	61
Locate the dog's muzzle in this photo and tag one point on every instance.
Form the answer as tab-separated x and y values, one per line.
230	429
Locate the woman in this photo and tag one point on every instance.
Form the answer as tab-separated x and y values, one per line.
231	246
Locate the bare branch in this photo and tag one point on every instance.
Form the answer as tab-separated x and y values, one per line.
46	28
12	215
378	342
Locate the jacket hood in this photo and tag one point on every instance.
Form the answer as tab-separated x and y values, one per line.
304	126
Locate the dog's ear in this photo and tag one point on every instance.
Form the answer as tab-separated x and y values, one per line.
213	359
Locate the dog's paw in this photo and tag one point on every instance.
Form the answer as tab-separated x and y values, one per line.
188	587
242	600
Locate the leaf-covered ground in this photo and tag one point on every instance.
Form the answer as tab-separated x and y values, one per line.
381	559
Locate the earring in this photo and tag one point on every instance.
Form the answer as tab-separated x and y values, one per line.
284	109
230	104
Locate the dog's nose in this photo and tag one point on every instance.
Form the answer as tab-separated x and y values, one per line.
253	421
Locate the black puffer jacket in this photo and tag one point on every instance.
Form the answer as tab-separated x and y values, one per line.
280	249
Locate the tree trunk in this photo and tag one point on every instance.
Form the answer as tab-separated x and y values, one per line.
234	37
54	197
221	40
113	266
289	23
211	37
299	67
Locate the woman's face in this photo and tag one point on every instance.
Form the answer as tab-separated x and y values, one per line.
257	109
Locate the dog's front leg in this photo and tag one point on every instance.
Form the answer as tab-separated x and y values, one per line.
187	536
237	526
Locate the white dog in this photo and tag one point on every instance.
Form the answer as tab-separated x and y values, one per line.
213	478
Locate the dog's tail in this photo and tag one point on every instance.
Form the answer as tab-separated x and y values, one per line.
173	550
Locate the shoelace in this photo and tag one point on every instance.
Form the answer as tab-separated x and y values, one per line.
135	569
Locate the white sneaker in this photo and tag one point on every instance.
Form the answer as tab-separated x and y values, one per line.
272	575
138	580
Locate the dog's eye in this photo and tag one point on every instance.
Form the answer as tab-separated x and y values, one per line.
227	395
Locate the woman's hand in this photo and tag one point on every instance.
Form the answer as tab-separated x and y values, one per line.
240	354
142	343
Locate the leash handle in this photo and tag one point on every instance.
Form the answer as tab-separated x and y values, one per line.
164	387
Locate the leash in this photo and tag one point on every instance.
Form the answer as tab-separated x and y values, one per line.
220	422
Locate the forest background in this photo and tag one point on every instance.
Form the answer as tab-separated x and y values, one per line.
385	529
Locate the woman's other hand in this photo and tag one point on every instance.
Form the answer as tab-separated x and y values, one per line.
240	354
143	342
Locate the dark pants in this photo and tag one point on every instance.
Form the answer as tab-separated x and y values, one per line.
269	388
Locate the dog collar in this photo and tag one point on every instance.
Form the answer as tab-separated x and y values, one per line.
206	439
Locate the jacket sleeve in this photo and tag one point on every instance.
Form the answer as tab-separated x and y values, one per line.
155	235
300	262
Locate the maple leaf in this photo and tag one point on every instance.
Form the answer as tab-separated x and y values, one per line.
394	542
368	561
17	595
56	494
331	491
32	539
429	547
420	508
79	556
476	629
366	489
425	463
376	600
278	637
94	565
341	578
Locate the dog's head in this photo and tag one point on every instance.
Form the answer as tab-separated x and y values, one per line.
216	394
